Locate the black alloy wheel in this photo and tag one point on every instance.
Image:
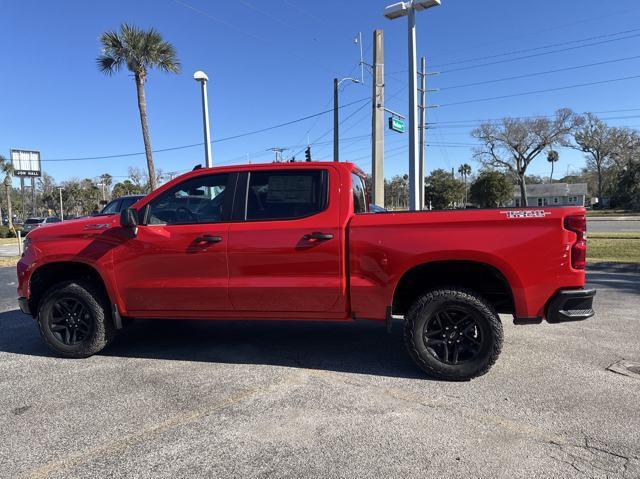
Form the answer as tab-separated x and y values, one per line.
70	321
453	335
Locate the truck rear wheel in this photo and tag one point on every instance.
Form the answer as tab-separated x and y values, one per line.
453	334
74	319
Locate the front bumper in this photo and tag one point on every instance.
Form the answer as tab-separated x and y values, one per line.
571	305
24	305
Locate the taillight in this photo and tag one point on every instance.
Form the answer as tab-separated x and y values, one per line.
578	224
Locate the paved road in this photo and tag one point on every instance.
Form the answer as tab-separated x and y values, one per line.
606	225
197	399
8	250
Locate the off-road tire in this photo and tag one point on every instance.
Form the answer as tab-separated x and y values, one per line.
96	304
488	322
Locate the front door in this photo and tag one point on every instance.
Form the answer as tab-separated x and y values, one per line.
177	262
284	254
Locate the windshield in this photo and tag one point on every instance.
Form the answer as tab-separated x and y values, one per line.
33	221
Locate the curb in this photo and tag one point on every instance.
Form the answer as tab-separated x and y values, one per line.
614	266
613	218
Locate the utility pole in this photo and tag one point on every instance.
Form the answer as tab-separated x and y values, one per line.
61	208
22	194
377	119
336	125
423	123
423	126
33	196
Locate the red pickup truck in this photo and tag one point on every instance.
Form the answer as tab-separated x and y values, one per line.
297	242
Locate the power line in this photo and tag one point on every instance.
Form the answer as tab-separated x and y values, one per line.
233	137
544	47
480	120
252	35
528	75
508	60
538	31
513	95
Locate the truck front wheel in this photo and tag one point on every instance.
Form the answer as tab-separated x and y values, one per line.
453	334
73	318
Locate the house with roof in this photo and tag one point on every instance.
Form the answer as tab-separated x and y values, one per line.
553	194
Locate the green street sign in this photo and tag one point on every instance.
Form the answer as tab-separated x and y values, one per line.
397	124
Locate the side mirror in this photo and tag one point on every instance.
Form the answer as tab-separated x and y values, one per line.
129	218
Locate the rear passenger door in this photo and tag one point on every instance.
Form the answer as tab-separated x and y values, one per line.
284	242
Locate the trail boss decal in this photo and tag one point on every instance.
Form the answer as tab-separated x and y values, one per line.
526	213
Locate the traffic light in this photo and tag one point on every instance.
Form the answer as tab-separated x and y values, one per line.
307	154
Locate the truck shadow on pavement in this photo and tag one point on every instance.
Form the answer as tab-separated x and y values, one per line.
359	347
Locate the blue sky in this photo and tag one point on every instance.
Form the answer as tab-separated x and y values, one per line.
273	61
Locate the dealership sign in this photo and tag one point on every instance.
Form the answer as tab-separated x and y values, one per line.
26	163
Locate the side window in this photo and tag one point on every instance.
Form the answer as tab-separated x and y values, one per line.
286	194
111	208
197	200
53	220
359	194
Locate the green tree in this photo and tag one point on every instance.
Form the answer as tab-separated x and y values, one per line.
552	157
513	143
139	51
125	187
491	189
442	190
628	186
465	171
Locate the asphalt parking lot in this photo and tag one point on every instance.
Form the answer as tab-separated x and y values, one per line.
270	399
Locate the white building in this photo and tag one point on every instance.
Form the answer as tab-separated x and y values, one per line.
554	194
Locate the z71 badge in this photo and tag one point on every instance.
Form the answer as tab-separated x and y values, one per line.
511	214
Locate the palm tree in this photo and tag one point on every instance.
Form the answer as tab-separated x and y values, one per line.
138	50
7	168
552	157
465	171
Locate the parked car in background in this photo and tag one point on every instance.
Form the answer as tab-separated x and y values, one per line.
33	223
377	209
119	204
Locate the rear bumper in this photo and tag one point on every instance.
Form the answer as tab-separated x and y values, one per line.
571	305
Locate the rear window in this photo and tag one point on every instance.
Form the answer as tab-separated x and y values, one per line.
290	194
33	221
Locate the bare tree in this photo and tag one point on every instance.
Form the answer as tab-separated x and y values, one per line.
600	143
513	143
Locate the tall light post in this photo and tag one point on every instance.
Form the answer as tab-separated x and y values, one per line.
202	77
408	9
336	117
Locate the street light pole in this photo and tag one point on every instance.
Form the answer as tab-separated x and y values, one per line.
336	116
202	77
392	12
414	167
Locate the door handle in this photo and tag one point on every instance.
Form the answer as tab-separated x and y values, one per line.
208	239
317	236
